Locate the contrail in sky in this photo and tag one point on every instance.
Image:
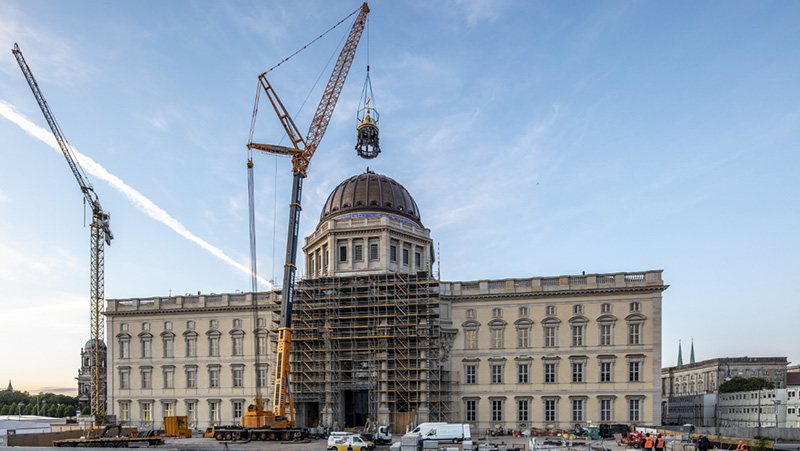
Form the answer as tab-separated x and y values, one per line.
139	200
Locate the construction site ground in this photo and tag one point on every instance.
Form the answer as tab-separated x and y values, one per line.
197	443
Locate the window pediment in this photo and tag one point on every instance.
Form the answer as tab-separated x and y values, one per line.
580	319
190	334
635	318
145	335
213	333
167	334
523	322
123	336
470	324
497	323
551	321
237	332
607	319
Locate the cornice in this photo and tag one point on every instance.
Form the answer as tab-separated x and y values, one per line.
524	294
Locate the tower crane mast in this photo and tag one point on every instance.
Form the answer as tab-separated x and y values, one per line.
101	235
301	151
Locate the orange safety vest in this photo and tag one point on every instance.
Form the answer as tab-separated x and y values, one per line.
660	443
648	442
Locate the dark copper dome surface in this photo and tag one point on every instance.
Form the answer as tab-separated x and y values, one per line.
370	192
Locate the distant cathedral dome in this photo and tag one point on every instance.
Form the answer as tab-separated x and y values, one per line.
89	344
370	192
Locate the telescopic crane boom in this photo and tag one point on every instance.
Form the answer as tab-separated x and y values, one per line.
301	151
101	233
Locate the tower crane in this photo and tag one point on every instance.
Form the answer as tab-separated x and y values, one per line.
301	152
100	235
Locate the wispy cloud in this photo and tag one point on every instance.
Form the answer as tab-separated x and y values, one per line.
477	11
138	199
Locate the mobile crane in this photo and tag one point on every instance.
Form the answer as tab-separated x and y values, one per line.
258	423
101	234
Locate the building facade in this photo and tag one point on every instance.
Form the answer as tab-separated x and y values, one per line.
684	388
376	337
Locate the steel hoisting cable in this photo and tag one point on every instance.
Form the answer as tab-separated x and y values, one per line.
315	40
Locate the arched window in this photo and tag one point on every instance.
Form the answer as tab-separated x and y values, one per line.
635	328
471	328
578	330
550	328
524	326
497	329
605	325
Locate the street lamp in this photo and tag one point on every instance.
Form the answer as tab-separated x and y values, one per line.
717	410
19	411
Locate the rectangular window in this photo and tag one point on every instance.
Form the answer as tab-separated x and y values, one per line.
213	324
169	347
471	374
373	251
522	373
497	373
191	378
405	256
471	339
633	371
262	345
147	411
606	308
147	379
190	325
124	379
577	410
550	373
167	325
124	349
550	310
238	345
125	411
577	372
605	410
633	410
634	334
497	410
213	377
549	336
169	379
550	410
497	338
191	413
238	376
213	412
146	349
238	409
237	323
523	337
605	371
213	346
522	410
471	410
417	260
393	253
261	377
359	253
342	253
169	408
191	346
605	335
577	335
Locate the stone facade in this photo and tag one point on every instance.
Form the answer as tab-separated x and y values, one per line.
376	337
553	352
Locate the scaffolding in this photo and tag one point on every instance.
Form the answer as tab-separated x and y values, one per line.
372	339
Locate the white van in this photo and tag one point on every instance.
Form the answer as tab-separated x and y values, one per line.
423	428
448	433
348	441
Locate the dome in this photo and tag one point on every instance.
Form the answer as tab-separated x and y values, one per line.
89	344
370	192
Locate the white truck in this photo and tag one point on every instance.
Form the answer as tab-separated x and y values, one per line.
448	433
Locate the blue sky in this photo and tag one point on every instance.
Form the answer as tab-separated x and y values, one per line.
538	139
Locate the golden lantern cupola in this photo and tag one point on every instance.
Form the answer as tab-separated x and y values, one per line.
367	131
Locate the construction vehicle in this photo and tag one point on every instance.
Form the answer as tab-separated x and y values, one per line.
176	427
258	423
101	234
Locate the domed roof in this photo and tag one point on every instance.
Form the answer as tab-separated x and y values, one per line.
370	192
89	344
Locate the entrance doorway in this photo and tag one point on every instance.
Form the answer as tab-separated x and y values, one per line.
356	408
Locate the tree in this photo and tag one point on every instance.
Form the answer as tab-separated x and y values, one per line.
86	411
52	410
5	410
739	384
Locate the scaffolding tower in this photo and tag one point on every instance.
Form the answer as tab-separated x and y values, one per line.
377	339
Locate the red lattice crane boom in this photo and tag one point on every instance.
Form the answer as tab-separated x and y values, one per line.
301	151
